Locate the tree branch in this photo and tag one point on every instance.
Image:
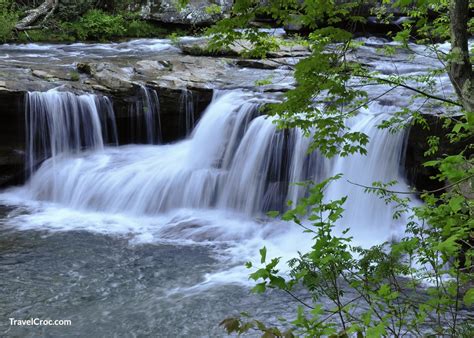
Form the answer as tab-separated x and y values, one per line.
434	97
414	192
46	8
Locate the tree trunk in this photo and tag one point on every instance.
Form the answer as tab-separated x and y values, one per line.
460	68
45	9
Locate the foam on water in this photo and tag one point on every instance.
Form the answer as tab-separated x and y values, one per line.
213	188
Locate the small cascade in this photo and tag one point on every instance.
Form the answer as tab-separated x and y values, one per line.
64	123
235	159
186	104
145	124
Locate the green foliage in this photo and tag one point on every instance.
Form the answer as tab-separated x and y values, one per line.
213	9
74	76
45	35
97	25
419	284
264	82
409	288
136	28
8	19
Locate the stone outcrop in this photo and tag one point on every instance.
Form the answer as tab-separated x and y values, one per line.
196	12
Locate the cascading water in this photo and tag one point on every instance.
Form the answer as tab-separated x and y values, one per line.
140	238
187	108
234	160
64	123
145	117
366	212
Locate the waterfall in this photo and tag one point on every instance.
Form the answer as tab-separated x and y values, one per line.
235	159
186	104
366	211
64	123
145	117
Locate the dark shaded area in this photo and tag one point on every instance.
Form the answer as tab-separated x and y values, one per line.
418	175
130	129
12	138
172	113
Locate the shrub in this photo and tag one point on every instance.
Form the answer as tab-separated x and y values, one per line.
137	28
97	25
8	19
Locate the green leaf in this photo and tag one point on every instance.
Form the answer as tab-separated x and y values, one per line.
469	297
230	324
376	331
273	214
455	203
263	255
259	288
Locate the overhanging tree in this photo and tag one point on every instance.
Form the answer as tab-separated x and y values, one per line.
437	251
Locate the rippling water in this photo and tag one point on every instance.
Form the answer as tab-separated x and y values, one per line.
109	287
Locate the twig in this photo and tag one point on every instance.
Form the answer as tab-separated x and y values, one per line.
410	88
413	192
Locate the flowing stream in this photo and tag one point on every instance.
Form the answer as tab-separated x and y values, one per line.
152	238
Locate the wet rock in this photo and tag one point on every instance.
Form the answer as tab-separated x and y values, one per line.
240	48
198	49
151	67
43	75
259	64
84	68
290	51
111	76
12	137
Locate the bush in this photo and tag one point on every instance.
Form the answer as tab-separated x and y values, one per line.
101	26
8	19
97	25
137	28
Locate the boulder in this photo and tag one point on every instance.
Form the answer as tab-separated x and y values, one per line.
151	67
239	48
108	75
196	12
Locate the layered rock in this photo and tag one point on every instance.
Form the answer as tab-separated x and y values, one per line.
122	78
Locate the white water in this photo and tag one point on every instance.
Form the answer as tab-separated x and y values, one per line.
61	122
187	107
214	187
145	117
